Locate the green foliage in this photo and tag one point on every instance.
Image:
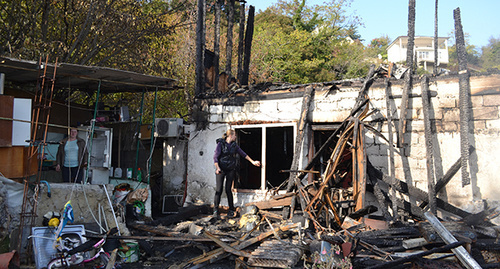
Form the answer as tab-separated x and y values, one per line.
299	44
491	54
146	36
378	46
473	55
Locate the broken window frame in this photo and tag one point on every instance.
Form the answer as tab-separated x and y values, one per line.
262	158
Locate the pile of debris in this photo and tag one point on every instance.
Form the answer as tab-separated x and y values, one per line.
263	238
327	222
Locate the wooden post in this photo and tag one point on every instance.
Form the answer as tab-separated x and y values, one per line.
217	44
435	72
464	96
363	93
359	166
248	45
428	143
200	48
241	42
418	255
462	255
408	76
229	45
306	104
330	140
441	183
392	170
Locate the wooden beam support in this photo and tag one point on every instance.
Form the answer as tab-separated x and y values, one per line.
426	107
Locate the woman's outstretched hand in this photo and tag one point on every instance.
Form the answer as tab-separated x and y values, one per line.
256	163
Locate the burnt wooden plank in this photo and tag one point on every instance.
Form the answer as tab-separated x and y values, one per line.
303	120
416	193
276	254
442	182
408	75
219	253
390	264
272	203
456	228
392	168
331	139
464	96
429	153
166	232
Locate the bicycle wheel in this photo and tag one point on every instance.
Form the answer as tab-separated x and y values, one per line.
57	263
65	262
104	258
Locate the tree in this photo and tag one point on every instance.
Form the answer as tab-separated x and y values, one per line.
146	36
490	56
378	46
300	44
473	55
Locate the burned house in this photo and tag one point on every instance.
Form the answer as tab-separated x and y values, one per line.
267	118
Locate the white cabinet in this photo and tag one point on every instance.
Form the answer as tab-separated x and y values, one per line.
99	148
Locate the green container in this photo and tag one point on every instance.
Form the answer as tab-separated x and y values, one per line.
131	253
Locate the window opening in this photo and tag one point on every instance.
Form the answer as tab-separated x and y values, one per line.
250	140
277	156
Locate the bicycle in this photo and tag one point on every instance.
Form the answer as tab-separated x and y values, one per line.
72	253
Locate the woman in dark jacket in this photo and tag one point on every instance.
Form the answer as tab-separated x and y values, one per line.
225	167
71	155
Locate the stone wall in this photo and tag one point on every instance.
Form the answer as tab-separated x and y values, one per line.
333	105
410	162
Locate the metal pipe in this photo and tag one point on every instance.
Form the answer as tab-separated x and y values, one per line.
138	137
91	137
112	210
2	83
151	147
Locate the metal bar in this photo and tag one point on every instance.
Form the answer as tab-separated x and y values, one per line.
138	138
148	174
91	137
462	255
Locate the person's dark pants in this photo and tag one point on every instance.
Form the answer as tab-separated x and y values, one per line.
71	174
229	175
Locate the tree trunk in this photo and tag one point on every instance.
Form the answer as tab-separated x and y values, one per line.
241	42
218	3
229	46
200	48
248	45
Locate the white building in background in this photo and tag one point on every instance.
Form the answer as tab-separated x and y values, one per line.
423	49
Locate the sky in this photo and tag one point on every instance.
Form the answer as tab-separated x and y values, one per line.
480	18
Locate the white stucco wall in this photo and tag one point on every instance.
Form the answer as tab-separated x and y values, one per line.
201	170
174	165
333	106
